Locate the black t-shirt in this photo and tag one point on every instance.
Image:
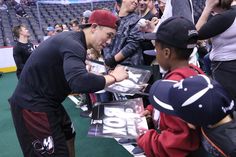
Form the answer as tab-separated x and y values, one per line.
21	53
54	70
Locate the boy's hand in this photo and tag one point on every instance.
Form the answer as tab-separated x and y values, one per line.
143	87
145	113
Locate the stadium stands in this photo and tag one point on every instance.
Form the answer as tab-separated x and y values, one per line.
51	14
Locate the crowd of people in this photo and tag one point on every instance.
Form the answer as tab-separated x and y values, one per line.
196	107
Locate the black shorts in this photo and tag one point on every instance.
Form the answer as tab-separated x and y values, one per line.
43	134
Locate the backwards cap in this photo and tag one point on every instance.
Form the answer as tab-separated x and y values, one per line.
103	18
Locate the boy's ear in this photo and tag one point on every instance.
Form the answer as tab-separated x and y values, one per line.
167	52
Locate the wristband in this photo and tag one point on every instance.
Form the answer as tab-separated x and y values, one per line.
111	62
113	77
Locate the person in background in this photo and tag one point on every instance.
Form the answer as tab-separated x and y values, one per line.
86	15
174	8
99	96
74	25
55	70
125	48
146	14
153	6
50	32
65	28
144	10
94	55
161	6
87	97
58	28
222	54
23	48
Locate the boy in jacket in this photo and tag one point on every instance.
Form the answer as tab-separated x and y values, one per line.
174	41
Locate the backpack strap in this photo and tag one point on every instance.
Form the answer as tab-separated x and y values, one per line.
212	144
196	69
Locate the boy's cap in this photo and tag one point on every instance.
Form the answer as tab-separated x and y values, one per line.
103	18
50	28
197	99
178	32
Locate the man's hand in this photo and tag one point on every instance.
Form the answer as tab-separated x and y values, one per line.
120	73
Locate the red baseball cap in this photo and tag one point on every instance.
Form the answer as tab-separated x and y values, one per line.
103	18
